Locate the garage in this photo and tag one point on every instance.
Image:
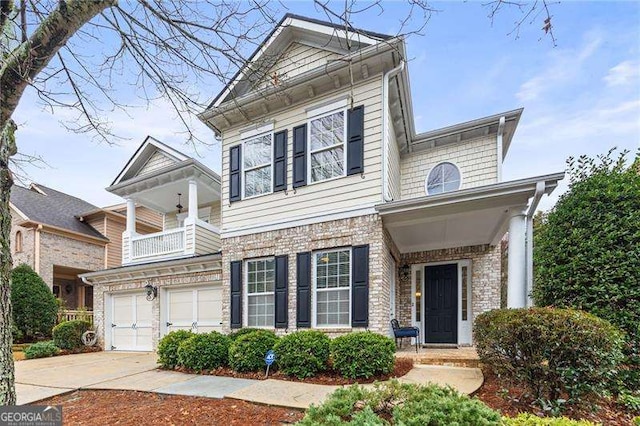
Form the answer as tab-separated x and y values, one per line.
131	322
198	309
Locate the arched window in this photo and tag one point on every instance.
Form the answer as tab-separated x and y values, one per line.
18	246
444	177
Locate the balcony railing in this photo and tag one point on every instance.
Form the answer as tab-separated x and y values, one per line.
71	315
158	244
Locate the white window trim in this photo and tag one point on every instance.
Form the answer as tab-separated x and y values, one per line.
314	291
245	293
426	179
243	170
327	148
327	107
251	132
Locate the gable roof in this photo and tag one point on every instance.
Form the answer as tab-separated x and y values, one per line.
313	32
48	206
150	148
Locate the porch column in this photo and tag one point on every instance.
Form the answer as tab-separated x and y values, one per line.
517	262
131	216
193	200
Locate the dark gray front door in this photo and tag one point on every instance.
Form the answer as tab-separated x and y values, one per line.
441	303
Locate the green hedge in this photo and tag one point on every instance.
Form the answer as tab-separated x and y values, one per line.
204	351
247	351
531	420
406	404
303	353
363	354
34	306
68	334
550	352
41	350
168	347
241	332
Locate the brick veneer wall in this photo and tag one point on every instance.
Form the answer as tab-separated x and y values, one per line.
485	277
28	242
100	291
326	235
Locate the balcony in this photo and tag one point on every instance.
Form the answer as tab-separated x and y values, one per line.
164	243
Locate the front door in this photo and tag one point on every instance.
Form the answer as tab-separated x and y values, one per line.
441	303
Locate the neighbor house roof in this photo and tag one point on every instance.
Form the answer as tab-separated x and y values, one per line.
44	205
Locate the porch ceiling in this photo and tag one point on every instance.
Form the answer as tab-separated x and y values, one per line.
461	218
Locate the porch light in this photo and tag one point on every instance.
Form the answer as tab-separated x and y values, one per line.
418	294
152	291
405	271
179	205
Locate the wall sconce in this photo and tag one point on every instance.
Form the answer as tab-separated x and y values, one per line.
152	291
405	271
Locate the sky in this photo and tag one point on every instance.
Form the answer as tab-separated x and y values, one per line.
581	96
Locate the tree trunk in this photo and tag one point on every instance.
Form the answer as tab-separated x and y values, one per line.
7	379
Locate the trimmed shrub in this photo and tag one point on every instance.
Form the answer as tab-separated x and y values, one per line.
303	353
551	352
204	351
41	350
587	250
68	334
241	332
168	347
247	352
527	419
407	404
363	354
34	305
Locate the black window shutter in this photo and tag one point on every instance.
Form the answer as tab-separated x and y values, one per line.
280	161
236	294
282	299
360	287
303	290
355	140
300	156
235	178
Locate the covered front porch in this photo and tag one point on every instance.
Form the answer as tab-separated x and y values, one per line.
451	260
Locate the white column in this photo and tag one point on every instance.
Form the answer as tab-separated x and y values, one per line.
529	261
517	280
131	216
193	200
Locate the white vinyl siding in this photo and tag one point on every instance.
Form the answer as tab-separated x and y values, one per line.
260	279
331	196
257	159
327	154
332	288
476	159
393	161
156	162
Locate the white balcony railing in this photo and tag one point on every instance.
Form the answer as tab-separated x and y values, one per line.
158	244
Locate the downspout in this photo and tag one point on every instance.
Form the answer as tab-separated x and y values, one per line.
86	281
385	142
540	187
499	146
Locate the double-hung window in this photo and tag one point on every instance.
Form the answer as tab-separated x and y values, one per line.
327	136
258	157
332	288
261	278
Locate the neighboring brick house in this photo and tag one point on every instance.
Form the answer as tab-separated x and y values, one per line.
49	234
332	212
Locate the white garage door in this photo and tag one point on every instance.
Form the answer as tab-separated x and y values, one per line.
196	309
130	322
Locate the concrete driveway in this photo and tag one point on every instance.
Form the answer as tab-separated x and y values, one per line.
37	379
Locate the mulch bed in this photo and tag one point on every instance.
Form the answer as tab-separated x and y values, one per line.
99	407
402	367
510	401
80	350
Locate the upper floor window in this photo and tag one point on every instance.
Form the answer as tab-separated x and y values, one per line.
327	135
261	279
258	156
18	246
444	177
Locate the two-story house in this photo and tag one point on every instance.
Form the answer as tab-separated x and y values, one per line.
335	214
61	236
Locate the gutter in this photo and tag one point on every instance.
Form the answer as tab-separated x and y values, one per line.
385	118
540	190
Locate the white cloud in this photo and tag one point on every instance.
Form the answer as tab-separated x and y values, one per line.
562	67
623	74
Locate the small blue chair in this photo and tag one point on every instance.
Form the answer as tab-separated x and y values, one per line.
402	332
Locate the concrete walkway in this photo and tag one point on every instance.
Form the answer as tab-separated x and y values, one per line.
43	378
